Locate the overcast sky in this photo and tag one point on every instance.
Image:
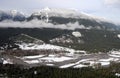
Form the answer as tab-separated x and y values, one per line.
106	8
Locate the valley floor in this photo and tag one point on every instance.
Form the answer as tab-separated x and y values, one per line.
60	59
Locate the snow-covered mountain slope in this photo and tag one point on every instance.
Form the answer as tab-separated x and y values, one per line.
53	12
66	13
12	15
55	18
56	12
32	46
69	16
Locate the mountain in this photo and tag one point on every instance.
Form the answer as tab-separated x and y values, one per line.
66	16
60	27
79	39
12	15
57	18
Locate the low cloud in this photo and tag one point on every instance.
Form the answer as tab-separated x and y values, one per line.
113	2
40	24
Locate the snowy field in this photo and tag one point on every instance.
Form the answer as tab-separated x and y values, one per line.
63	60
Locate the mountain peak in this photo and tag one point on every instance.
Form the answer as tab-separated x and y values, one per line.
56	12
14	11
46	9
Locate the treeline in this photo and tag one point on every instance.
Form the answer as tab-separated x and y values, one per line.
14	71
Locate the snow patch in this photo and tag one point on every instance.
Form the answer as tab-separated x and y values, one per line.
32	61
33	57
56	59
80	66
118	35
50	64
117	74
114	55
105	63
7	61
67	65
115	52
47	59
77	34
105	60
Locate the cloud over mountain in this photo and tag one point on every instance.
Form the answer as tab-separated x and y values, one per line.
112	1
